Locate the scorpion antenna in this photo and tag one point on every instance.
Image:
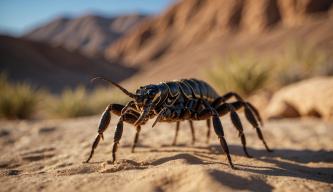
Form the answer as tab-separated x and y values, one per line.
115	84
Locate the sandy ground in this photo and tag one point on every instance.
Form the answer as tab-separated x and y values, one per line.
48	155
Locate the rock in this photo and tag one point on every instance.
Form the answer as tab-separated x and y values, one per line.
312	97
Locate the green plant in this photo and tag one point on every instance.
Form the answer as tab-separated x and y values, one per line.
17	101
243	74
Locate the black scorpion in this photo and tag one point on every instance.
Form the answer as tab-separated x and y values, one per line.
175	101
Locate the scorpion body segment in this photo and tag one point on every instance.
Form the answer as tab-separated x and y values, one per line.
175	101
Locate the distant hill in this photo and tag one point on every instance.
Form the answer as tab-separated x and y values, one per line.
90	34
192	23
53	67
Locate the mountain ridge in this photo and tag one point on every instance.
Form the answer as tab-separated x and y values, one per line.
89	34
191	22
53	68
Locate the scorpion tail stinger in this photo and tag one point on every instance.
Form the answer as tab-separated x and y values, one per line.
115	84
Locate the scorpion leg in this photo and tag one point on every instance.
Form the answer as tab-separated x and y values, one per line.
256	112
219	131
208	121
249	114
104	123
176	134
231	107
170	113
192	131
117	136
188	105
131	116
218	128
227	96
208	130
136	138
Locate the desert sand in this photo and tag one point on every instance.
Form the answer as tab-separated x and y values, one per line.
47	155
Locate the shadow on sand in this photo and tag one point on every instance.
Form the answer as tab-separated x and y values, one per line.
240	183
289	162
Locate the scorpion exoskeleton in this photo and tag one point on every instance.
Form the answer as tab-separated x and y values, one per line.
175	101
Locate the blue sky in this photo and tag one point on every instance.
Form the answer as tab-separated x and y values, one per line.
18	16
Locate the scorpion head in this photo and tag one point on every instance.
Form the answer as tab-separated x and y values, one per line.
145	97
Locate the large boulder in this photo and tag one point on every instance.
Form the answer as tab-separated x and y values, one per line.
312	97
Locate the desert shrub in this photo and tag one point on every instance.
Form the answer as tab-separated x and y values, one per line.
101	97
80	102
243	74
249	72
17	101
72	103
299	61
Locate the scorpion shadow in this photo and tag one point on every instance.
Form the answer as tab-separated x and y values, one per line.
233	181
289	162
240	183
297	156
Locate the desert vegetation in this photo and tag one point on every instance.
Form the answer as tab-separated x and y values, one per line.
22	101
17	101
244	75
80	102
249	72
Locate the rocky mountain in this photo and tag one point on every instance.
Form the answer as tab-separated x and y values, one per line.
89	34
192	23
53	67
